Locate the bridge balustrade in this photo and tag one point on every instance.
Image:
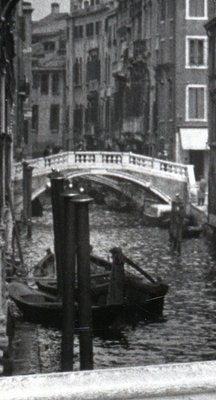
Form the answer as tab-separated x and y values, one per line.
99	159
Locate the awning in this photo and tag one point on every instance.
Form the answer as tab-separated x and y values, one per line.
194	138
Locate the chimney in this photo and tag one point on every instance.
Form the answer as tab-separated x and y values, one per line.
54	8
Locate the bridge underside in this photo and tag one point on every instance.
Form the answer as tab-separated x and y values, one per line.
162	189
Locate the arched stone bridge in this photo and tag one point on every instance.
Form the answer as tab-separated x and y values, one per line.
162	178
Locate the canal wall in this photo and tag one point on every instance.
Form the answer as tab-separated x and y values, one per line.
5	320
190	381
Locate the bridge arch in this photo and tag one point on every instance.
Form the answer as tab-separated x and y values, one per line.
145	184
125	176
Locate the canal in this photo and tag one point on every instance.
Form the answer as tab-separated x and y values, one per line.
188	332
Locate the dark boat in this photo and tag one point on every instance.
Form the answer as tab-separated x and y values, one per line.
192	231
142	299
39	307
159	216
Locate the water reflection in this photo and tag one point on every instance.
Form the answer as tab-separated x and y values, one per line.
188	332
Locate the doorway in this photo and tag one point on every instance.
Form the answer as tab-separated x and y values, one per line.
196	157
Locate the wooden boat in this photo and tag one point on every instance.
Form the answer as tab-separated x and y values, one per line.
39	307
141	299
157	215
192	231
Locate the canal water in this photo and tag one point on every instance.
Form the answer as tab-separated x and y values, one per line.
188	332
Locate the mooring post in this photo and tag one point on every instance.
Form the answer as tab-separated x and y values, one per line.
29	169
57	188
176	223
68	286
24	190
84	285
116	287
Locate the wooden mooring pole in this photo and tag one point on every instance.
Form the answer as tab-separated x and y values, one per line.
27	195
176	223
68	287
29	201
84	286
57	188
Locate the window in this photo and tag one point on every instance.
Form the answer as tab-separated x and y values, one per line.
35	80
55	83
196	52
22	28
97	28
196	9
54	117
162	51
49	46
90	29
78	32
77	71
35	117
62	46
162	10
78	117
44	84
196	103
93	67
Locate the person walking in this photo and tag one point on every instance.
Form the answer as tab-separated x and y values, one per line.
201	192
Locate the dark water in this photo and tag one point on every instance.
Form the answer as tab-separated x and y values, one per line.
189	330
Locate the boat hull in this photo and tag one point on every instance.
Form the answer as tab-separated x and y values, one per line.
38	307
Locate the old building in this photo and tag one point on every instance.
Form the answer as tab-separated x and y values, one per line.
49	91
23	79
211	30
162	78
190	83
127	75
86	74
7	121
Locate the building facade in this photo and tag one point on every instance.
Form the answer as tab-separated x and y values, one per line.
191	79
87	74
128	75
211	31
23	79
49	91
7	132
164	71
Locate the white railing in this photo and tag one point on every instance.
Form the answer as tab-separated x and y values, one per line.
195	381
108	160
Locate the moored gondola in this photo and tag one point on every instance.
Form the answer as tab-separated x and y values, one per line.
141	299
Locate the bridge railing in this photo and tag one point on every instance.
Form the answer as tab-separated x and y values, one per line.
102	160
